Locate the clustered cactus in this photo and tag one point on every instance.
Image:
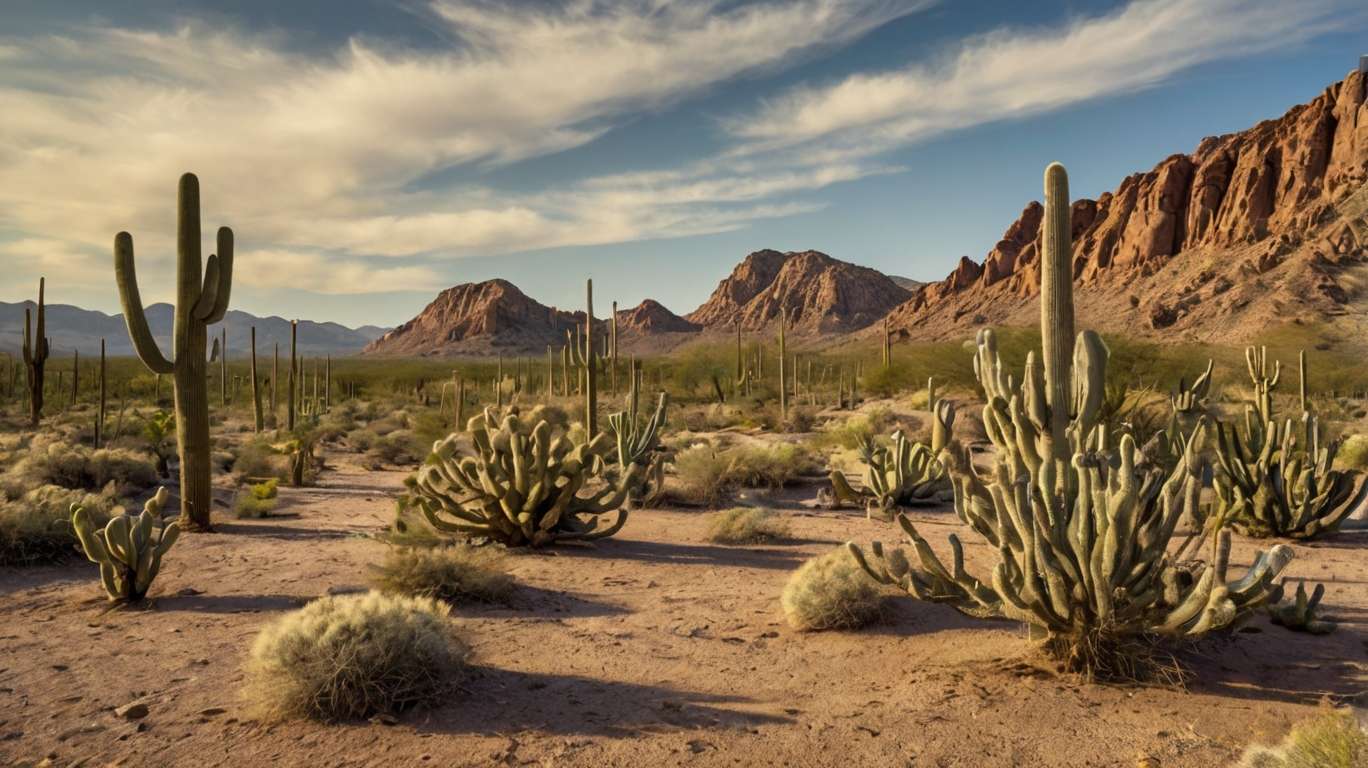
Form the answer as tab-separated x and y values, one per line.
201	300
1081	531
1300	615
1277	479
522	485
905	474
129	549
638	442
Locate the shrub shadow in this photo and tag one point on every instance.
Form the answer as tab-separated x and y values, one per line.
204	603
687	554
1265	662
513	701
258	528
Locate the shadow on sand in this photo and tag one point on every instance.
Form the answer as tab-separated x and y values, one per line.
688	554
514	701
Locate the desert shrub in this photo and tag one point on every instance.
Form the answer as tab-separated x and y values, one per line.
455	574
706	474
81	468
353	656
396	448
713	417
1353	452
831	592
851	432
258	461
701	471
35	527
250	506
268	489
746	525
361	440
768	466
391	423
1334	739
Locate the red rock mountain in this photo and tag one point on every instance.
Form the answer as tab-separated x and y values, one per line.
822	294
1250	229
478	318
650	316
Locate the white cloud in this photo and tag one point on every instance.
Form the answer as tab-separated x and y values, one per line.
328	274
1014	73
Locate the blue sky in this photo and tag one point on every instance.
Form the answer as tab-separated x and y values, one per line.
369	154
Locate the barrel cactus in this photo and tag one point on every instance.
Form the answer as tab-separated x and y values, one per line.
201	301
1081	531
129	549
523	485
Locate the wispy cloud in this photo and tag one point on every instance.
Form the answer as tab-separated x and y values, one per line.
1011	73
305	153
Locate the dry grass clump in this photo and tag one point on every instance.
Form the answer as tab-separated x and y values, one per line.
1353	452
745	525
1334	739
455	574
256	460
79	467
831	592
706	474
35	527
354	656
397	448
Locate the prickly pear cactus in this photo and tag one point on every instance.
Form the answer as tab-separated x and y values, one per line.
522	485
1080	530
129	549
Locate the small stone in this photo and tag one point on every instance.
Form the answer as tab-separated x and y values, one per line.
133	711
384	719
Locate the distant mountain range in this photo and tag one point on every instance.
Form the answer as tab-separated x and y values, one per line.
72	328
822	295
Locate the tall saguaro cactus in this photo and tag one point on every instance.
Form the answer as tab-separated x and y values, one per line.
258	419
1056	306
36	355
202	292
783	383
590	365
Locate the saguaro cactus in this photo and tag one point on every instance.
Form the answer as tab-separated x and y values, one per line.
258	419
100	413
585	359
783	381
294	375
201	300
36	355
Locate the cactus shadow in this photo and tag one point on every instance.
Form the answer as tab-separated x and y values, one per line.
516	701
904	616
288	532
1270	663
668	553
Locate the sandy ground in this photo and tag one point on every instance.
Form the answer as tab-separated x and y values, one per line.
653	648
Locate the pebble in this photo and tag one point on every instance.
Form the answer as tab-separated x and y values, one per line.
132	711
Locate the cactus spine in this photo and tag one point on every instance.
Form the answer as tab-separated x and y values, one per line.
201	300
258	420
36	350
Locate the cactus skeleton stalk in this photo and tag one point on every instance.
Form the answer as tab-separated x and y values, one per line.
36	350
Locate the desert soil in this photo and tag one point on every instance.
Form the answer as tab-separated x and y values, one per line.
652	648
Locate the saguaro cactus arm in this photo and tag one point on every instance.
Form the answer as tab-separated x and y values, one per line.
125	273
218	281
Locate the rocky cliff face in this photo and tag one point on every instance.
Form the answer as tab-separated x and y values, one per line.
821	294
1269	211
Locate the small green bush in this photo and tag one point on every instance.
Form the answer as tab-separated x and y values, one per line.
455	574
746	525
354	656
1333	739
831	592
268	489
250	506
1353	452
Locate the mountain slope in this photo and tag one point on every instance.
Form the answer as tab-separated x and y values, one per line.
1250	230
478	318
71	327
821	294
